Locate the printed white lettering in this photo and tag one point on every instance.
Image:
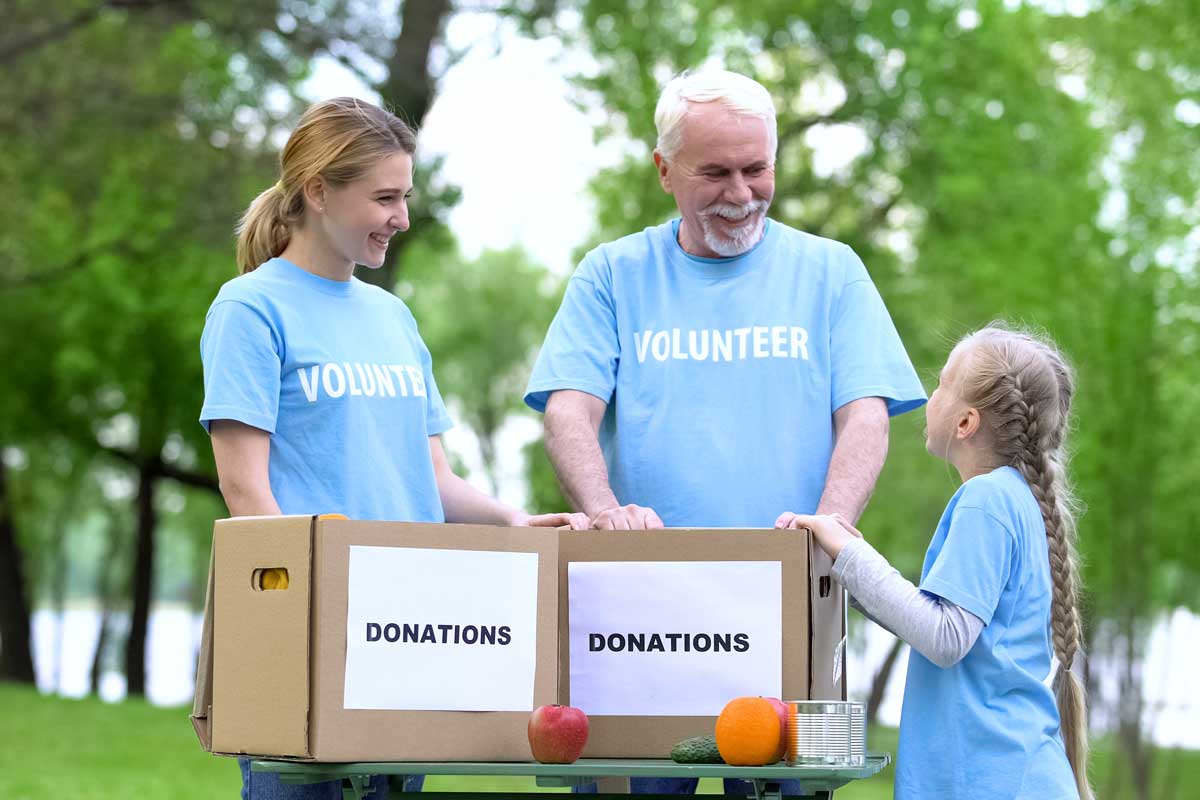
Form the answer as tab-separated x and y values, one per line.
708	344
779	341
665	340
641	341
417	378
399	372
722	343
760	342
354	390
368	379
800	342
677	351
740	333
309	383
335	371
384	380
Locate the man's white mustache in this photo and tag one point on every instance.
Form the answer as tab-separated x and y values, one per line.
732	212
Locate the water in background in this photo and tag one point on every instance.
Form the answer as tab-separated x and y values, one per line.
64	645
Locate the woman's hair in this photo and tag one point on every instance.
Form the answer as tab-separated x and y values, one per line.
338	140
1022	387
738	93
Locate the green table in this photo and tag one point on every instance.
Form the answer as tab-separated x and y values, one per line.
818	782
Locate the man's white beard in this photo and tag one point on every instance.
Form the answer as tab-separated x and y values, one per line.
744	238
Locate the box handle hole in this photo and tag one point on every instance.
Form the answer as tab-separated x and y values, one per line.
823	586
269	579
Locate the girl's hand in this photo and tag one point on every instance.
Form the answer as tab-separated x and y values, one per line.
577	522
831	531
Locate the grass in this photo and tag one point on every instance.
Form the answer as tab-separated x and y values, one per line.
91	750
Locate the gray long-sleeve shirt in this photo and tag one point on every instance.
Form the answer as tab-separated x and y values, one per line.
936	628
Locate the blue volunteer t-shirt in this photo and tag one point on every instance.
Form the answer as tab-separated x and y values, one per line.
722	375
337	373
987	727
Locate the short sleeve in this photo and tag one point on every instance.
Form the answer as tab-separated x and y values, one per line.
242	365
974	563
867	356
581	350
437	419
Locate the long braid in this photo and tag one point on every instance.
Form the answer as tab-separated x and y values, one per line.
1024	387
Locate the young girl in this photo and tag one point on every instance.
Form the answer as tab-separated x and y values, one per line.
998	587
318	391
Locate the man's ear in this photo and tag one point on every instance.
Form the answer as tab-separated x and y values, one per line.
968	424
314	193
664	170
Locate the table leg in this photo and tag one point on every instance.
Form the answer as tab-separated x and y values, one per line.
357	787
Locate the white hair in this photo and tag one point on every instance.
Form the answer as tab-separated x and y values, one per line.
738	93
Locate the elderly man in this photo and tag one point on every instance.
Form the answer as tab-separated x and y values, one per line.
721	368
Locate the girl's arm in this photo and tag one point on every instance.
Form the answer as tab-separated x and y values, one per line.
462	502
936	628
242	453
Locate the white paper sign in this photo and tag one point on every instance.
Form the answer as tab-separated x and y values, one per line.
673	638
440	630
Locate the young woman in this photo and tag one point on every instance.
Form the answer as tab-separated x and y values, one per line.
318	391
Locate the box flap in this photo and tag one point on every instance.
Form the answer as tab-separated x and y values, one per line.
260	653
202	701
827	628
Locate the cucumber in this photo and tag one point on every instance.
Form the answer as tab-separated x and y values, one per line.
697	750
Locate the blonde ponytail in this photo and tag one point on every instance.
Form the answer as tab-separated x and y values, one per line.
337	140
1022	388
266	227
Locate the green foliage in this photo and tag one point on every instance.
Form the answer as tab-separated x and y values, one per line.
545	493
482	320
1000	160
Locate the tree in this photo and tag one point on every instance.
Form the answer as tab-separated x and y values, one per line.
991	160
483	321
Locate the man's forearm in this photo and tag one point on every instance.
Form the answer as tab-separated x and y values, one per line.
574	451
858	455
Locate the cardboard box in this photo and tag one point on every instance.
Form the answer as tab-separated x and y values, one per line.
272	670
813	622
272	675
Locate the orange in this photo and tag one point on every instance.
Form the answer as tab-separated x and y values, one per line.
748	732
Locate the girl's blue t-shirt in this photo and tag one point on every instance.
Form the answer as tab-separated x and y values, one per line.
988	726
337	373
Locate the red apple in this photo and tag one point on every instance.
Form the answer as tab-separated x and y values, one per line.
781	710
557	734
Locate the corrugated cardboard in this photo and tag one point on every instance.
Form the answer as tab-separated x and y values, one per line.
272	665
271	674
813	624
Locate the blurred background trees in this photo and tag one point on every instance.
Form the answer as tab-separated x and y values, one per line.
1031	161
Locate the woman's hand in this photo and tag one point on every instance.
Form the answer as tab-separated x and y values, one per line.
831	531
577	522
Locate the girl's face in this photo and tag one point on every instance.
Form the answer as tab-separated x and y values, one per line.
944	410
361	217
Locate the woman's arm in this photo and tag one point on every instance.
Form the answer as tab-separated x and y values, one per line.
243	453
462	502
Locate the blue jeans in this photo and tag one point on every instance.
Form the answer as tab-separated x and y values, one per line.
267	786
688	786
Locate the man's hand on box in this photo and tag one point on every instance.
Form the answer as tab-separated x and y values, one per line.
831	531
627	518
576	522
